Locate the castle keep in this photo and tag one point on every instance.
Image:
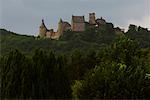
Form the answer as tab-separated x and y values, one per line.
78	24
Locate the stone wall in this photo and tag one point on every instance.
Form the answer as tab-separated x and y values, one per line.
79	27
42	31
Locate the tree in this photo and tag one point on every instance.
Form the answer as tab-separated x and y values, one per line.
61	80
124	50
52	78
76	65
12	68
115	78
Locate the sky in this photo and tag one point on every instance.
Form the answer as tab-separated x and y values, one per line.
24	16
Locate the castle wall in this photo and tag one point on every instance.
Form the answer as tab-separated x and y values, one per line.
78	27
55	35
100	22
42	31
65	27
60	28
48	34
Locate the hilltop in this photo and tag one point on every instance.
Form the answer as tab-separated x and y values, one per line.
69	41
78	24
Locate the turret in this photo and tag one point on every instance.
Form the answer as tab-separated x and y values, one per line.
42	29
60	27
92	18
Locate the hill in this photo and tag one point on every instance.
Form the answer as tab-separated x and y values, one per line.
107	65
90	39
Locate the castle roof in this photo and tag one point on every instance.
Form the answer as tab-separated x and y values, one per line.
43	24
78	19
66	24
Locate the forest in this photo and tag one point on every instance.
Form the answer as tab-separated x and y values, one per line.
88	65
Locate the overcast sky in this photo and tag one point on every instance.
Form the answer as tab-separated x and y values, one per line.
24	16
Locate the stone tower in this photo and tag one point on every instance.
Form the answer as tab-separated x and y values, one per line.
42	29
78	23
60	27
92	18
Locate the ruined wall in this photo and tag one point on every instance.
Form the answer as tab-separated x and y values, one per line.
48	34
66	26
92	18
63	26
55	35
42	31
100	21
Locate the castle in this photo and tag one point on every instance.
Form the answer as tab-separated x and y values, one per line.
78	24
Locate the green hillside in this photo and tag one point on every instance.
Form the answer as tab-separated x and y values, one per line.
95	64
90	39
68	42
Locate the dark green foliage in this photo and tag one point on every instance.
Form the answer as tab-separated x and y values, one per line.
13	67
87	65
68	42
42	77
81	62
120	74
142	35
118	71
112	81
92	38
132	28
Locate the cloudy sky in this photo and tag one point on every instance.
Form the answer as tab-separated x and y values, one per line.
24	16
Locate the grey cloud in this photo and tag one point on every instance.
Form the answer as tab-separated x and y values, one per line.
24	16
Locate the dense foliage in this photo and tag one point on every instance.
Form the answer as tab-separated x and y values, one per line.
119	74
67	43
81	65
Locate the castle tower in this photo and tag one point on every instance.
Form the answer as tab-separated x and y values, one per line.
42	29
78	23
60	27
92	18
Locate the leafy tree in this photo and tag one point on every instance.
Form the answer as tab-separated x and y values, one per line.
76	67
12	69
124	50
115	77
61	78
52	80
